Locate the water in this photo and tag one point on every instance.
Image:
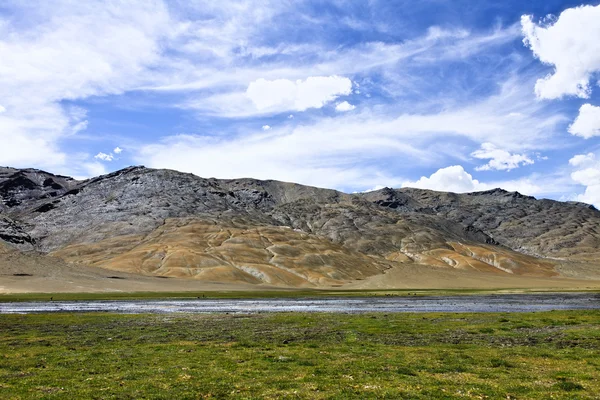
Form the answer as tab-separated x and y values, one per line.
472	303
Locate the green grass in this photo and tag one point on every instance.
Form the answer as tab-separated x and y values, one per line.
308	356
290	293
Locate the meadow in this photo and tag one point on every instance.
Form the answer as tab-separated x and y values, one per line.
307	356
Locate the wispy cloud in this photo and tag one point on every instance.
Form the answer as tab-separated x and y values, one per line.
68	51
221	90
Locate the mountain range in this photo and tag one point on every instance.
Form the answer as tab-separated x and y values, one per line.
148	223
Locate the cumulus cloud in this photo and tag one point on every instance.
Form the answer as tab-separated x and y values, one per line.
571	45
344	106
581	160
108	157
104	157
300	95
456	179
2	109
587	173
588	176
266	127
499	159
587	123
450	179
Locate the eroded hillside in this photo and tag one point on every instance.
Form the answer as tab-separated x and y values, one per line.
167	223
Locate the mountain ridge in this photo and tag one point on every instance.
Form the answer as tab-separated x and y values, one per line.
167	223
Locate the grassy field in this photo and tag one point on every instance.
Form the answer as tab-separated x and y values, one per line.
311	356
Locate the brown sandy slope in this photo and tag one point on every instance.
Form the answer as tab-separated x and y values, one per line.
414	276
211	251
33	273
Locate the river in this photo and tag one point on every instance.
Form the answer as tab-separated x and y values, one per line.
392	304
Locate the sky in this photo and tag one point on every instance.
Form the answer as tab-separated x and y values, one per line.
355	95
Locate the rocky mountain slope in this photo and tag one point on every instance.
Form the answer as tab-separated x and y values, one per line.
167	223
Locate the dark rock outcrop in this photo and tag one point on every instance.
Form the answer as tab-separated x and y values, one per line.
14	234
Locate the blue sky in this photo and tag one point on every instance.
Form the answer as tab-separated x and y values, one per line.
352	95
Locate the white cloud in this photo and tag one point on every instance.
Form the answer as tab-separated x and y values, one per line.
587	123
582	160
90	170
344	106
266	128
591	196
499	159
300	95
531	186
68	51
456	179
117	150
588	175
104	157
31	137
2	109
570	44
225	28
373	189
450	179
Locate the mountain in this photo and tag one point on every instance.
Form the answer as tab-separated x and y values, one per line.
166	223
